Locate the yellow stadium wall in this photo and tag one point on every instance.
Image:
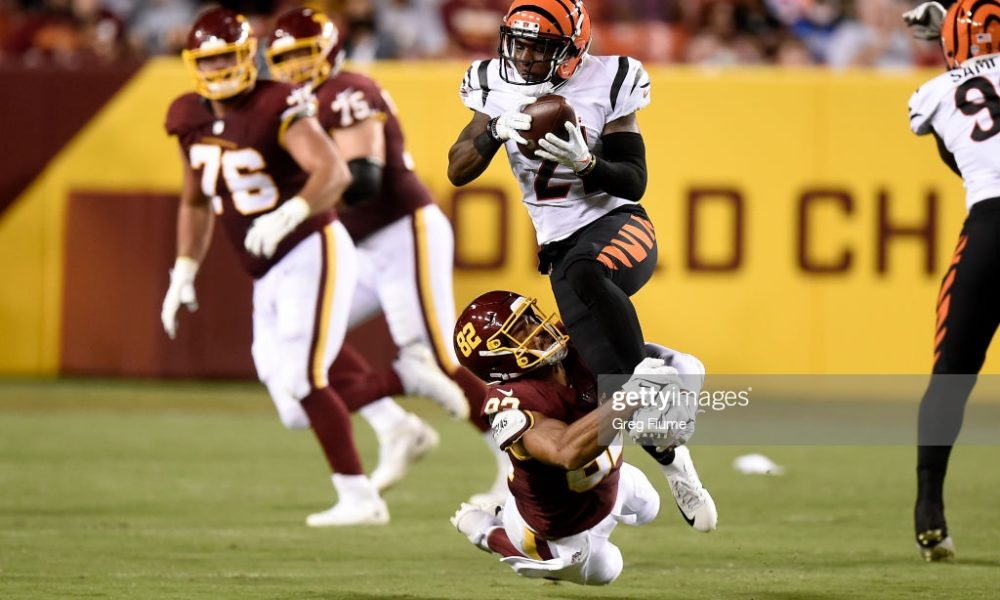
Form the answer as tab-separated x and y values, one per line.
741	164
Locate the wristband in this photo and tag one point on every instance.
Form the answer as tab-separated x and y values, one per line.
185	268
491	128
590	166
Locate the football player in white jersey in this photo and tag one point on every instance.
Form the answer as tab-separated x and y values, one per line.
961	109
598	246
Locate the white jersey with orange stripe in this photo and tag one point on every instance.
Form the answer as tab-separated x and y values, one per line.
604	88
962	107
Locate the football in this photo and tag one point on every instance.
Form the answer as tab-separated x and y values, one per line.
548	115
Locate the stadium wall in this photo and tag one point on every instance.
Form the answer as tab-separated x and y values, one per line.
802	228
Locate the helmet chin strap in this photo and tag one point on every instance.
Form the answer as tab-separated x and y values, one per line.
540	89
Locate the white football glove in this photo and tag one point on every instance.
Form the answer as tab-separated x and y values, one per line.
652	374
506	126
670	421
665	428
268	230
658	422
572	153
649	366
180	293
925	20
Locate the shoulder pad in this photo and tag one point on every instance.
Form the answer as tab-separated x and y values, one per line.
925	101
185	113
630	88
301	104
509	426
475	88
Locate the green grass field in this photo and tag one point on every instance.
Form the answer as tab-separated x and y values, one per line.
149	490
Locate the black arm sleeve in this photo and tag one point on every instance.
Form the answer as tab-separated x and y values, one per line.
621	168
486	145
366	180
946	155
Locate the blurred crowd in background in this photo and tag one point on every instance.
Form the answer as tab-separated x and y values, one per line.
837	33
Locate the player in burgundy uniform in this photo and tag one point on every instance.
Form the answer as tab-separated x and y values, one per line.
570	486
256	159
405	243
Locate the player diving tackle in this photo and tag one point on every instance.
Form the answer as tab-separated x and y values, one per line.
570	486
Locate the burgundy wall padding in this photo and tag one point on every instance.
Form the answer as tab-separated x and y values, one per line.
42	108
119	247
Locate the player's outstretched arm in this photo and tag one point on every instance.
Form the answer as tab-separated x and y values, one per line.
194	217
925	20
472	152
555	443
194	233
572	446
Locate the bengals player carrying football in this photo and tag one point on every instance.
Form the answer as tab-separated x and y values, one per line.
405	245
961	110
598	246
257	161
570	486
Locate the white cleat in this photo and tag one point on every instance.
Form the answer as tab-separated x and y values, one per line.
408	442
475	523
421	376
368	512
693	500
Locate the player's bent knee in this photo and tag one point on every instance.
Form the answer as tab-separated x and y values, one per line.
642	502
604	567
290	411
294	418
651	508
292	381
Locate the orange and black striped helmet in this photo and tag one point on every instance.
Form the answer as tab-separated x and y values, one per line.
541	40
971	28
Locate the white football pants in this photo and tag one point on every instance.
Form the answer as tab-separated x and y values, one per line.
588	557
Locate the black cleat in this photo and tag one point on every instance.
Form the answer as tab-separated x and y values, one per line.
935	545
933	541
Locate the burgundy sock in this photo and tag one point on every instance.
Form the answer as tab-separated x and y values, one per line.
475	393
357	383
332	425
498	542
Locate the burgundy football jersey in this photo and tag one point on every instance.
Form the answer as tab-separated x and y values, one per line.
345	99
242	163
554	502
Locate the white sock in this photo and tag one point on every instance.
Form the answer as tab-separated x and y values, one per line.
383	415
353	488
